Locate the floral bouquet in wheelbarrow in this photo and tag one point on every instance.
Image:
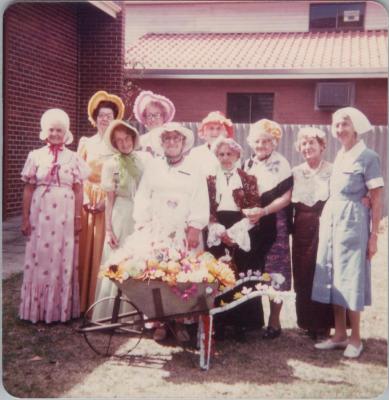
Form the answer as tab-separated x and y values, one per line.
171	282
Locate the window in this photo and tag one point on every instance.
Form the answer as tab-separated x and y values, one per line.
249	107
333	95
336	16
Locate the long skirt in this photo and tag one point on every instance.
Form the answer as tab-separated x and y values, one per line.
311	315
249	314
123	226
50	289
91	248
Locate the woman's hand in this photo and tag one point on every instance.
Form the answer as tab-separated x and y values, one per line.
227	240
96	209
112	240
26	227
372	245
192	237
366	201
77	225
254	217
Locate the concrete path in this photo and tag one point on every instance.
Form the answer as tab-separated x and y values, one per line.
13	247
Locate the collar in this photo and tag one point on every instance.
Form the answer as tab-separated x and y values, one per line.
352	154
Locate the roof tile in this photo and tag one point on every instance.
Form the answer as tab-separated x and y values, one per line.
252	51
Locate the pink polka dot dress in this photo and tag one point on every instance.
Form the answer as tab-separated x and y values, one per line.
50	290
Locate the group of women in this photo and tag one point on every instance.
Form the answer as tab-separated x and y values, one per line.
78	207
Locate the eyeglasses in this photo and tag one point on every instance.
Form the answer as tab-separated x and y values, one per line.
174	139
150	117
105	115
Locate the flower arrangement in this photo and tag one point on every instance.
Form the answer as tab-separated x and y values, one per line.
268	285
172	266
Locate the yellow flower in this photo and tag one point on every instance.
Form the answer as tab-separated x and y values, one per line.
152	263
238	295
265	277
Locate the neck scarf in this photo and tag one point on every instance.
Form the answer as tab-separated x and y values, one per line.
128	170
54	169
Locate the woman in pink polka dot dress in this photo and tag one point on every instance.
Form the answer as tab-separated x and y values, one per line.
52	202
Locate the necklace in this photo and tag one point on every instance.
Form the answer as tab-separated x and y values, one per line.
174	162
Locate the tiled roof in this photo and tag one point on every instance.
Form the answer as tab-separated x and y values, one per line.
300	52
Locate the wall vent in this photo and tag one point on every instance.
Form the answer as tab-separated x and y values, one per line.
330	95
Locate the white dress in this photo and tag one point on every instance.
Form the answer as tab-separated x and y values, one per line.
122	221
204	159
169	200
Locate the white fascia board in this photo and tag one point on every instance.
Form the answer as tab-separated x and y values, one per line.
109	7
259	74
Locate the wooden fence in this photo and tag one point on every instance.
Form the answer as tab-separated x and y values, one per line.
376	140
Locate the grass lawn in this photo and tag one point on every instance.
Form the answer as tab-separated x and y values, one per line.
55	361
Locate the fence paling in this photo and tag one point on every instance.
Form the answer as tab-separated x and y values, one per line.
377	140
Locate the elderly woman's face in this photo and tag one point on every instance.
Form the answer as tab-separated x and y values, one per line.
263	145
172	144
103	118
123	141
213	130
345	131
56	133
310	148
154	116
226	156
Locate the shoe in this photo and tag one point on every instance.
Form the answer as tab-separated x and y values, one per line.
271	333
352	351
181	333
331	345
160	334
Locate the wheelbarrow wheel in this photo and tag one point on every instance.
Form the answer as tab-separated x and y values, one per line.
113	326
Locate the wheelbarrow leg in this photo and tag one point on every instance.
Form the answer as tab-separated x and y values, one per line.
116	307
205	337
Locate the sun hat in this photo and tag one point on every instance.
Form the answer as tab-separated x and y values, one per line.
55	115
216	117
156	133
311	132
264	126
359	120
110	130
229	142
145	98
100	96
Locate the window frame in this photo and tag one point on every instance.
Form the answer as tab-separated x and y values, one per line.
250	113
339	6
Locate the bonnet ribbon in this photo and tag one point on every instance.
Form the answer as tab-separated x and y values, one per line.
55	167
128	170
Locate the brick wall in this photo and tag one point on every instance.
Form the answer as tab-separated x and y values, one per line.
101	58
293	99
40	54
56	55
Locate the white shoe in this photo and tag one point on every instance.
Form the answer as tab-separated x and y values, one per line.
331	345
352	351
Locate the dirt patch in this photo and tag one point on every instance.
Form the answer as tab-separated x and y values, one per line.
54	360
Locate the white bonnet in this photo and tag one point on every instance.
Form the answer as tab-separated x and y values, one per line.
359	120
111	129
231	143
262	126
55	115
312	132
156	134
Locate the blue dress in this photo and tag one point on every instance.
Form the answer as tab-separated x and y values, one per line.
342	273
